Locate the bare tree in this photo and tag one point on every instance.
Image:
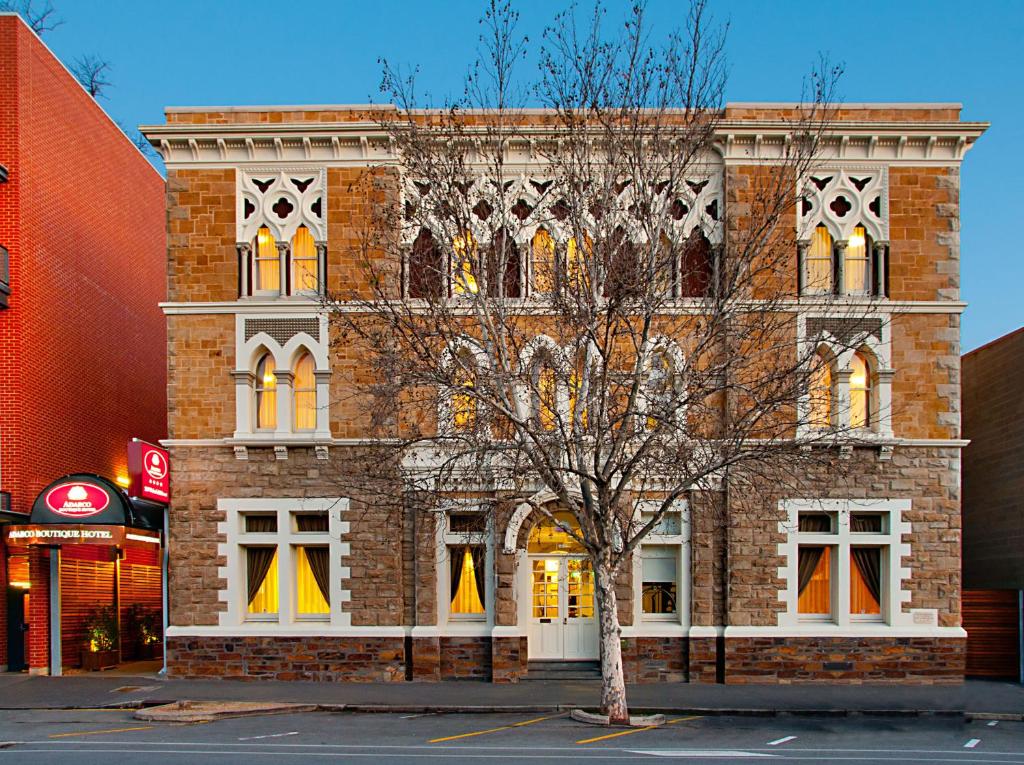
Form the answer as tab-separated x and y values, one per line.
91	71
557	303
41	18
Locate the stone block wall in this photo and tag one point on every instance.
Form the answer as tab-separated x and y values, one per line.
655	659
465	658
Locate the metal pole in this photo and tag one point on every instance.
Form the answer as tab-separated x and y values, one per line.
165	558
55	655
1020	633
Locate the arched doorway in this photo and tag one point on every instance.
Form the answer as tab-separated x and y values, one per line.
563	610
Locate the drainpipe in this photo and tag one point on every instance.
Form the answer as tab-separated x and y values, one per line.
55	652
164	560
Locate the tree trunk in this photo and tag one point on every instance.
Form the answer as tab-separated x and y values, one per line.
613	685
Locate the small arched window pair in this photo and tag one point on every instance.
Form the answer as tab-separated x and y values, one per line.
303	393
855	269
824	393
301	259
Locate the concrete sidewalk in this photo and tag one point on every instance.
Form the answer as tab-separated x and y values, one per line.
1001	700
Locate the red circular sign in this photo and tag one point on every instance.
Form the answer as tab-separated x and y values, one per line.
155	464
77	500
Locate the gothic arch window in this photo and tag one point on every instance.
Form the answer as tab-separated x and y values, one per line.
695	266
425	267
508	283
578	263
266	393
305	276
857	263
543	267
819	266
821	390
266	263
861	390
545	384
465	265
304	392
463	407
622	272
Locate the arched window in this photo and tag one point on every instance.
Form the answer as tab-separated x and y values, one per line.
547	396
577	396
463	401
425	271
266	393
305	275
464	265
543	267
622	275
660	387
577	263
695	266
821	392
860	392
305	393
819	264
509	280
856	263
267	262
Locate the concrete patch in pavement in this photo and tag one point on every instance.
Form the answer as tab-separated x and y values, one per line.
204	711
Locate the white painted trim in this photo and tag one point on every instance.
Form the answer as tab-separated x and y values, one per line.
854	631
705	631
684	575
233	574
267	629
442	538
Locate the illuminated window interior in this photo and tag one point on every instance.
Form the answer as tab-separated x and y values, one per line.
463	402
576	262
311	580
266	393
305	393
550	536
821	393
467	579
547	394
855	265
659	580
262	580
465	249
543	247
305	276
865	581
819	262
268	262
816	592
860	392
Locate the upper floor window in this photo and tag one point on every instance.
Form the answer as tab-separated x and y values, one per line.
425	270
463	401
544	265
822	391
305	393
818	263
696	266
305	276
266	393
266	263
860	391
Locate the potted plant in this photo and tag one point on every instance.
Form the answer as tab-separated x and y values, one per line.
143	629
101	637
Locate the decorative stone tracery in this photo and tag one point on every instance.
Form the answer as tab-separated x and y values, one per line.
282	200
843	199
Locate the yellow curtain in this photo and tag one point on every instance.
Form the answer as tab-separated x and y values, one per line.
819	261
265	600
305	273
266	394
860	392
821	393
467	599
547	391
308	596
305	393
463	404
855	265
861	599
817	595
543	261
576	265
465	259
268	262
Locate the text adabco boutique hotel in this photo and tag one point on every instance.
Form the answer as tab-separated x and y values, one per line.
275	574
82	346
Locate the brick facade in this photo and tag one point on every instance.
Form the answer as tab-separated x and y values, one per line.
394	572
83	341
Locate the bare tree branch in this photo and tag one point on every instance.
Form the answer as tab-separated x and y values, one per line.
91	71
41	18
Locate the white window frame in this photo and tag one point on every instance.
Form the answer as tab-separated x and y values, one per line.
286	539
894	592
680	620
443	540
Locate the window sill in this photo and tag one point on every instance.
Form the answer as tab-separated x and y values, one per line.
262	618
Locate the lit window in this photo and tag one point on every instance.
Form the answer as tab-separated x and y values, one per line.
577	263
819	263
821	393
305	271
860	392
261	580
855	264
660	388
467	570
547	398
465	264
865	581
578	405
463	402
543	248
305	393
266	394
267	261
660	575
312	580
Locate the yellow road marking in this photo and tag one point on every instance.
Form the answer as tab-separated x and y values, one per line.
97	732
633	730
494	730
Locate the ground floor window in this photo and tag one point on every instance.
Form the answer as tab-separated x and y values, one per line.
466	574
660	580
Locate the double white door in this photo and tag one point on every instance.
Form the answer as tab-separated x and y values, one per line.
563	615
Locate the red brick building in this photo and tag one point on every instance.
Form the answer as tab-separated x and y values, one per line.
82	341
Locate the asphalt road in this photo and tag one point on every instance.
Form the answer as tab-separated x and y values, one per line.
114	737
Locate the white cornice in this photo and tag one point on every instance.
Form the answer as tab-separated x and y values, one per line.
362	143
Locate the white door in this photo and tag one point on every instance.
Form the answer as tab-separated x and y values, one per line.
562	614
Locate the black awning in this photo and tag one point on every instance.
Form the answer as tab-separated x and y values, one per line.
91	499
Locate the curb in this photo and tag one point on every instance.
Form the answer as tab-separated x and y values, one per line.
206	711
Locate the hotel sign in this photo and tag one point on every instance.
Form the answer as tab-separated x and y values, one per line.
64	534
77	500
149	471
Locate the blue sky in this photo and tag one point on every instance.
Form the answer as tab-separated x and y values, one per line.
205	52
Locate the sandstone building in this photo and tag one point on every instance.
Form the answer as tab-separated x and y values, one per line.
275	574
